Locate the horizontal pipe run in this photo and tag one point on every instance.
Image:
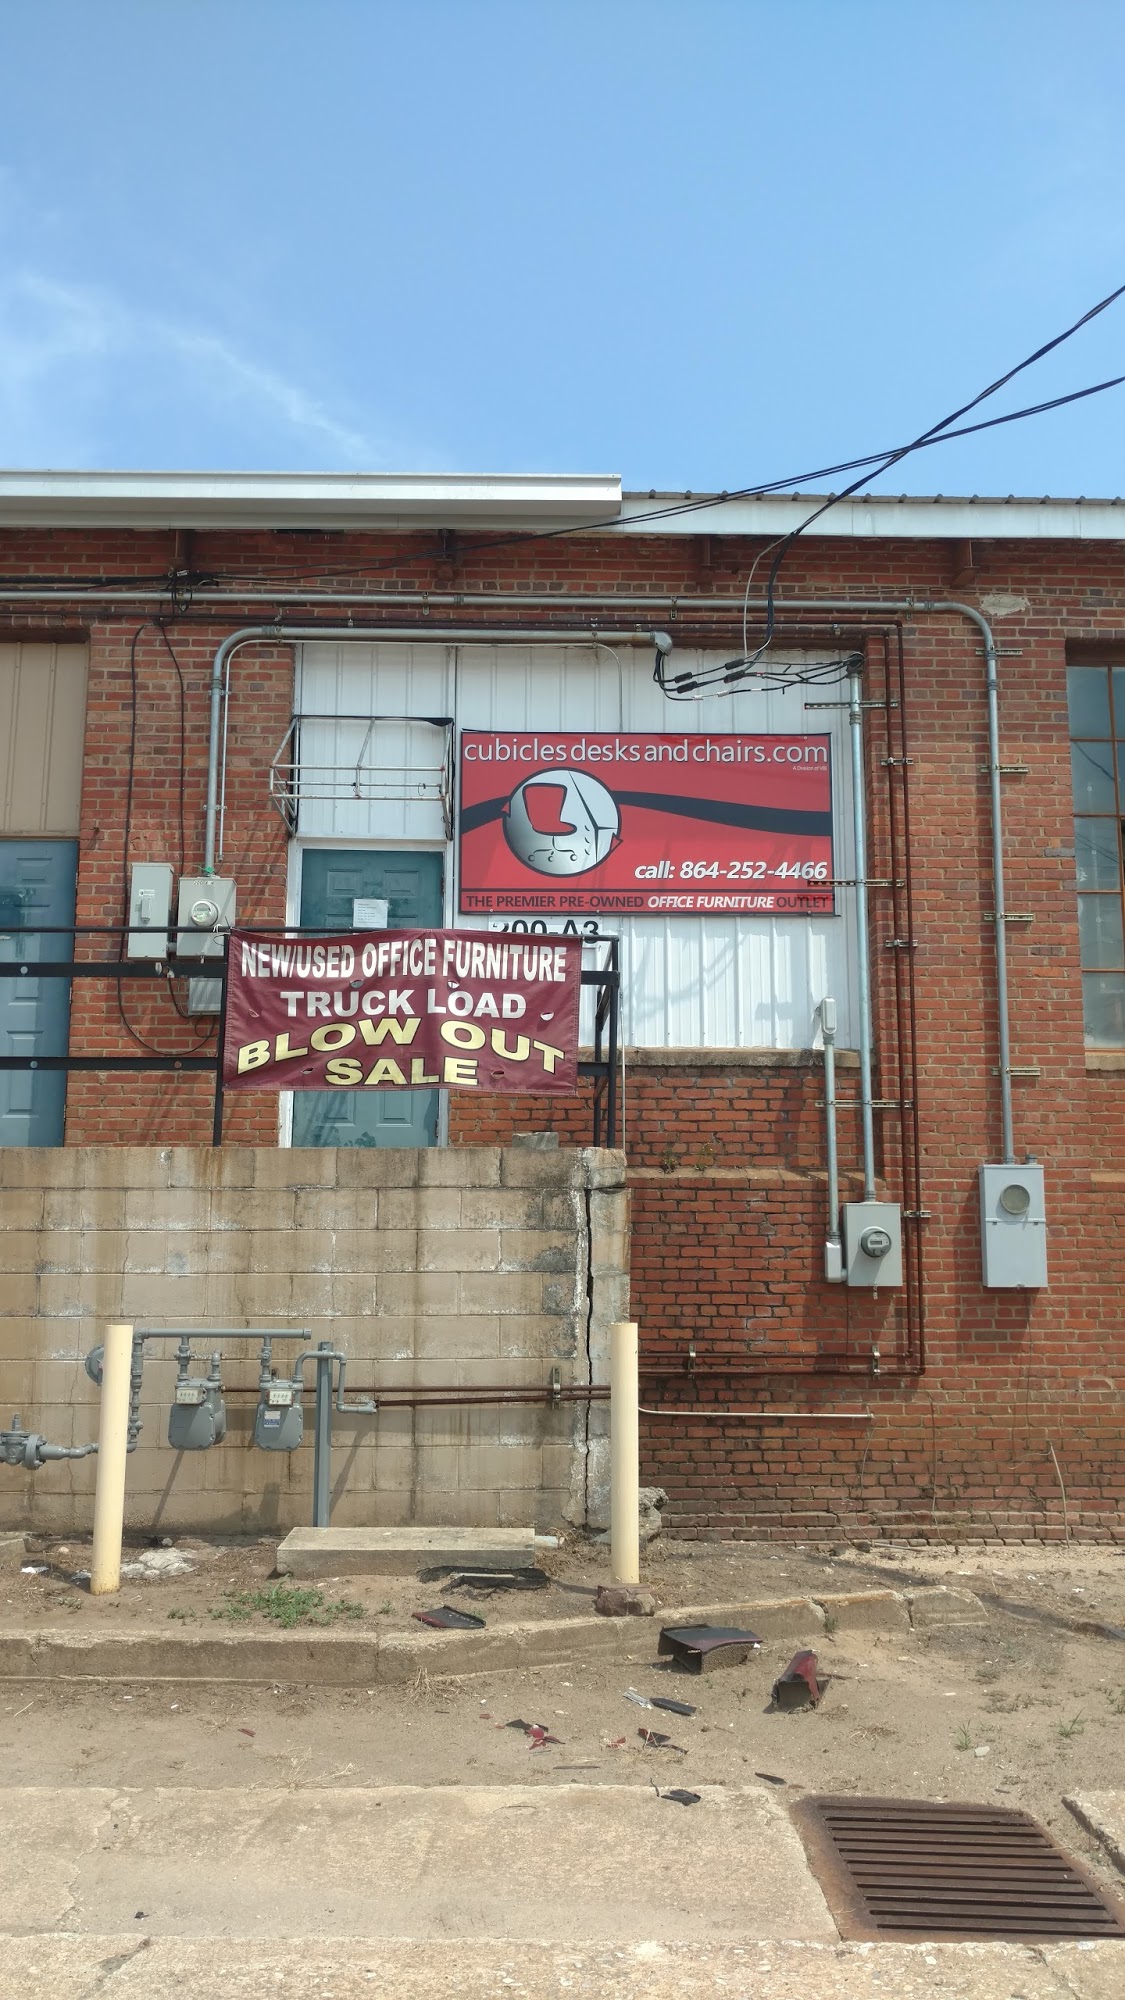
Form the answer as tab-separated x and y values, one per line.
758	1416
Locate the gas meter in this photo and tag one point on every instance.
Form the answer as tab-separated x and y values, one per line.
198	1416
279	1422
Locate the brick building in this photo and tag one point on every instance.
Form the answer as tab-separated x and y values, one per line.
363	626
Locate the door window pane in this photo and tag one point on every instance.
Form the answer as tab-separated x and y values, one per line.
1099	930
1097	853
1087	695
1104	1004
1092	766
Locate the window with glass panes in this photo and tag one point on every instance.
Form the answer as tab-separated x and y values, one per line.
1096	698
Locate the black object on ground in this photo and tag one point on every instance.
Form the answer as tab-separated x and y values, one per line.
768	1778
654	1739
702	1648
798	1686
680	1797
673	1707
449	1618
488	1580
911	1870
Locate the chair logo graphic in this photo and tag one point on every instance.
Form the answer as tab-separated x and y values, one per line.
561	823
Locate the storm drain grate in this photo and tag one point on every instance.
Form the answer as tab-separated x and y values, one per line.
904	1868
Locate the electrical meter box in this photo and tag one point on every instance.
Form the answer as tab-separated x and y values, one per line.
206	912
1013	1227
150	909
279	1423
872	1243
198	1416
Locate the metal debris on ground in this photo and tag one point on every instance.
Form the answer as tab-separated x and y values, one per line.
768	1778
673	1707
680	1797
34	1569
798	1686
638	1700
702	1648
449	1618
486	1581
654	1739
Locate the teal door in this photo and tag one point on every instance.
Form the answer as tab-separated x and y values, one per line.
37	882
332	879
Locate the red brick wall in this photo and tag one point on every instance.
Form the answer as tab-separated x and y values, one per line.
727	1198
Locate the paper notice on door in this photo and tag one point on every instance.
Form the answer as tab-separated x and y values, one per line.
370	913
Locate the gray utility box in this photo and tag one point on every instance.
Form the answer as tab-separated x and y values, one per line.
872	1243
205	914
150	909
1013	1227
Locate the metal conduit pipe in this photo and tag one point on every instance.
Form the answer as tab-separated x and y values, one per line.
671	604
782	1416
863	942
248	634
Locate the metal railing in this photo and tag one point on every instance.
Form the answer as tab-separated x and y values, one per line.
600	1067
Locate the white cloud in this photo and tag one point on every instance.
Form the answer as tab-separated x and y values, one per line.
78	365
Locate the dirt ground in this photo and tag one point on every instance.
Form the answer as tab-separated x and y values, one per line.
1082	1582
1019	1710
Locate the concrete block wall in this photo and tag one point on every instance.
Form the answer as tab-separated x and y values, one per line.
480	1265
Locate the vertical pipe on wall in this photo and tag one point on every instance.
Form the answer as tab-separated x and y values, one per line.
624	1447
113	1444
863	942
833	1254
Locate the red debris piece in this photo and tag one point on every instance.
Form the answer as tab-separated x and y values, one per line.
798	1686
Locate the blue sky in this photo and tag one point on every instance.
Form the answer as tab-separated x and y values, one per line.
697	243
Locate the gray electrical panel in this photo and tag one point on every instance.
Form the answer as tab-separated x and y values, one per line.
150	909
1013	1227
205	913
872	1243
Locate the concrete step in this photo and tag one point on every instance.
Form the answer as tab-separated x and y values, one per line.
544	1863
320	1552
125	1966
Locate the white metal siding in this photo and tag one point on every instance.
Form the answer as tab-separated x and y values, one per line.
687	982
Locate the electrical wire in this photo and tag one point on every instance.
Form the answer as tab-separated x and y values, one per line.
485	545
882	459
130	780
928	436
733	672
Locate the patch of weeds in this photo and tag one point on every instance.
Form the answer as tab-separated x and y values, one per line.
286	1605
1116	1701
669	1160
1074	1727
185	1615
963	1740
831	1624
384	1610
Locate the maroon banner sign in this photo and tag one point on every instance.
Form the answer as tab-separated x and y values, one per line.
402	1010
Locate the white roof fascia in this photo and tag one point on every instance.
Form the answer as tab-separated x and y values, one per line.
885	517
375	500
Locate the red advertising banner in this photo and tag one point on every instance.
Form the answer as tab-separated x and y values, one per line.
694	824
402	1010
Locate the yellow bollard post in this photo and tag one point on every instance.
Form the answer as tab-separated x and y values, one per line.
624	1452
113	1439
